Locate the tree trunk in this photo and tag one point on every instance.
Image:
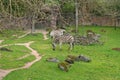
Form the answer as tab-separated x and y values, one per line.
53	20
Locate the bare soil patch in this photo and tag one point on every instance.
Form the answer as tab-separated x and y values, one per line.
117	49
1	41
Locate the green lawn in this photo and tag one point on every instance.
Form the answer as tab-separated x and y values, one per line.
105	63
10	60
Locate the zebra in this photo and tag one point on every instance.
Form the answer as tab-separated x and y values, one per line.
65	38
57	32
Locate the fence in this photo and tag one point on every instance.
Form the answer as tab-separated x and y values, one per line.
67	19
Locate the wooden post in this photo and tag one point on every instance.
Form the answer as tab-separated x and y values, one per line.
76	10
33	24
10	8
115	24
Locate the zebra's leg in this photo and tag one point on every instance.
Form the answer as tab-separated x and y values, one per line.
71	45
54	46
60	44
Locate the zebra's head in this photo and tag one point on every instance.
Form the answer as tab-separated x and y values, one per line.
57	32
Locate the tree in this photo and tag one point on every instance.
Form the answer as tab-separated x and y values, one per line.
113	9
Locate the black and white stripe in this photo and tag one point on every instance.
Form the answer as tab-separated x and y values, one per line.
65	38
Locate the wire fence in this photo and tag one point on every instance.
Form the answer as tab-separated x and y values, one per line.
66	19
69	20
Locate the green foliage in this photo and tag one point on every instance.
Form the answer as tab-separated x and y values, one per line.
20	8
114	7
67	6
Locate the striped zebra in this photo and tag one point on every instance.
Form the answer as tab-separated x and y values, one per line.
65	38
57	32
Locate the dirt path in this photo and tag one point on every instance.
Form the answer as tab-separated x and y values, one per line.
44	32
24	35
1	41
23	56
3	73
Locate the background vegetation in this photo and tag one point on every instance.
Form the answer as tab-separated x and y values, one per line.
20	13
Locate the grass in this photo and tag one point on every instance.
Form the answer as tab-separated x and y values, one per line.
104	66
29	37
10	60
10	34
